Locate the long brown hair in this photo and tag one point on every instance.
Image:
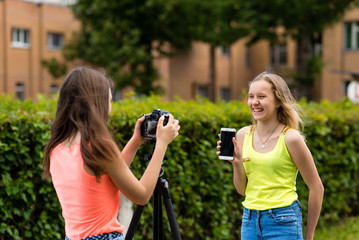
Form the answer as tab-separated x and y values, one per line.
83	106
289	112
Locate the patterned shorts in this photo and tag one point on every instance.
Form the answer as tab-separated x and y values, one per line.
105	236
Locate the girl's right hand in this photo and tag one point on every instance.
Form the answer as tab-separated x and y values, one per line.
137	133
166	134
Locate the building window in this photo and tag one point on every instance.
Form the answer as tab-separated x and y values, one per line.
20	91
53	89
203	91
351	40
55	41
20	38
116	95
224	93
278	54
225	51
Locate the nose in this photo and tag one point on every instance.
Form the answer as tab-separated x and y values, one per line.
255	100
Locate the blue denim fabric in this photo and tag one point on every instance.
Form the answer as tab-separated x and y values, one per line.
274	224
105	236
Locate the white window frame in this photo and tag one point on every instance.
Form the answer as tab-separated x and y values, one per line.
50	40
20	37
354	31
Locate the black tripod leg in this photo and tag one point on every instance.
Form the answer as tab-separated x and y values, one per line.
169	209
134	222
157	214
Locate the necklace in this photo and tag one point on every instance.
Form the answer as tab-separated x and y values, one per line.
267	137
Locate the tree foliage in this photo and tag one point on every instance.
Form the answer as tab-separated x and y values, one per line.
55	68
304	21
219	24
205	201
122	35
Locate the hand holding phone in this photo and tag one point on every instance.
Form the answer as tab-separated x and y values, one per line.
227	146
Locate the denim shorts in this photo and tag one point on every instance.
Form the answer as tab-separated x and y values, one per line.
105	236
278	223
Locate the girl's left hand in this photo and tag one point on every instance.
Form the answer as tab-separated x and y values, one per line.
219	145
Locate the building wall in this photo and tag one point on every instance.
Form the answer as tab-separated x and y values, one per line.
23	65
180	76
190	70
338	61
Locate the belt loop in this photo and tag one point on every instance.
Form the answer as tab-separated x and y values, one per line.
249	214
298	202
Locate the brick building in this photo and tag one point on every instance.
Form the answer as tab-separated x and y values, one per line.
30	32
34	30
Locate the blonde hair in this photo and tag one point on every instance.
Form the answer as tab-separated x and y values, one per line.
289	112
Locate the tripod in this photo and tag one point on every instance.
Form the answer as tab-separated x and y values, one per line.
161	192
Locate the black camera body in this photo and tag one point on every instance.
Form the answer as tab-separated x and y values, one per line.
149	125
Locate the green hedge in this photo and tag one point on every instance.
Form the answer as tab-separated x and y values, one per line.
205	202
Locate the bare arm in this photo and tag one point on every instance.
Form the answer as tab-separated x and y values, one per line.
129	151
239	174
303	159
140	191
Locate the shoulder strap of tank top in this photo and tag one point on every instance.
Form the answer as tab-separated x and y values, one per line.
285	130
250	130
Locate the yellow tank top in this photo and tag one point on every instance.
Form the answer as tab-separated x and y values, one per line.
271	176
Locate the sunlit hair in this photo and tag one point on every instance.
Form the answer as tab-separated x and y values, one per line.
289	112
83	105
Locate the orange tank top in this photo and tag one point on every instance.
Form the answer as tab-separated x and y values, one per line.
88	207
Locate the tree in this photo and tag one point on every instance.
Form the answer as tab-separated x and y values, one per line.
121	36
304	21
219	24
55	68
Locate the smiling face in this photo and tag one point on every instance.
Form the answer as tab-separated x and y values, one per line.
261	101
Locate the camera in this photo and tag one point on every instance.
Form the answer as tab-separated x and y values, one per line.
149	125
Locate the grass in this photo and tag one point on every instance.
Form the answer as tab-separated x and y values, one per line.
347	230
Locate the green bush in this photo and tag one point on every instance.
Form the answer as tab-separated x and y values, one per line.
204	199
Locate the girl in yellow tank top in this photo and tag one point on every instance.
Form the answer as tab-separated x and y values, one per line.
267	158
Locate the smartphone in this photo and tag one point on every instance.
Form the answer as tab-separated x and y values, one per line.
227	147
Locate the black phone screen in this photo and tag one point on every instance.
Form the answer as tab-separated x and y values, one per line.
227	147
